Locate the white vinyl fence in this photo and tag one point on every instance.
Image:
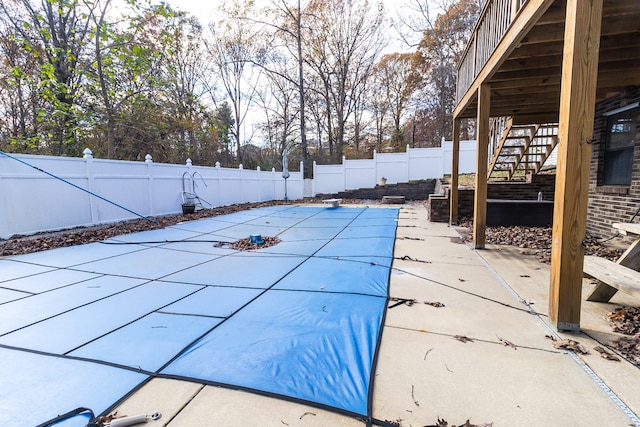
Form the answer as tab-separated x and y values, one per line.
32	201
414	164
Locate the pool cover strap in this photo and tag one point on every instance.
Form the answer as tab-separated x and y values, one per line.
71	414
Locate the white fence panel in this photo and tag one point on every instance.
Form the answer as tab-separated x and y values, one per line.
426	163
466	159
359	173
122	182
166	188
29	196
328	179
393	166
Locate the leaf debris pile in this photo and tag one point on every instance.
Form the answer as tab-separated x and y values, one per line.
626	320
536	238
246	245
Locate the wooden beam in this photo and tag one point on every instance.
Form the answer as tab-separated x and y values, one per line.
482	160
536	118
577	106
455	158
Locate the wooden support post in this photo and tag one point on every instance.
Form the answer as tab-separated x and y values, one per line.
577	107
482	160
455	162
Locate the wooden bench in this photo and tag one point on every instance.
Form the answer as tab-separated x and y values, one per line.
612	276
398	200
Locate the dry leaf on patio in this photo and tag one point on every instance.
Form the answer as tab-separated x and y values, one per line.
444	423
606	354
434	304
570	345
508	343
462	338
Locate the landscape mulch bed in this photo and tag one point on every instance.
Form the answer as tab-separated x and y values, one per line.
537	239
626	320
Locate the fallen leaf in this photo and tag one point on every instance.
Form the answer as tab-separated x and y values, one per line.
508	343
434	303
570	345
606	354
413	396
463	338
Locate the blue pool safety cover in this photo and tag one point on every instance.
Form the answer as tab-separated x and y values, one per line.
36	388
313	347
85	326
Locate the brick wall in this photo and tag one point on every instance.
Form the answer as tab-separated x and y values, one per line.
415	190
609	204
438	208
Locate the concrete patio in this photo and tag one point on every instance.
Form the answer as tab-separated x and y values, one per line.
507	372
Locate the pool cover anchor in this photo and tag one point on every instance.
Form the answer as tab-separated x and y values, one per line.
132	420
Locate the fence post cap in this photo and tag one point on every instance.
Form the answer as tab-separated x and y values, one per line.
240	166
217	164
148	158
258	168
189	162
87	154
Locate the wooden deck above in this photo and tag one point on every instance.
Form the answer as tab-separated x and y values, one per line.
517	48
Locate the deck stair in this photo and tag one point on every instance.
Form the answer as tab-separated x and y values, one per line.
519	147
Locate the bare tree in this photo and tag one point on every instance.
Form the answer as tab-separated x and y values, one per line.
279	100
396	82
344	43
234	49
445	30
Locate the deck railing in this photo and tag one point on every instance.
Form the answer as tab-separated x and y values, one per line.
495	19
